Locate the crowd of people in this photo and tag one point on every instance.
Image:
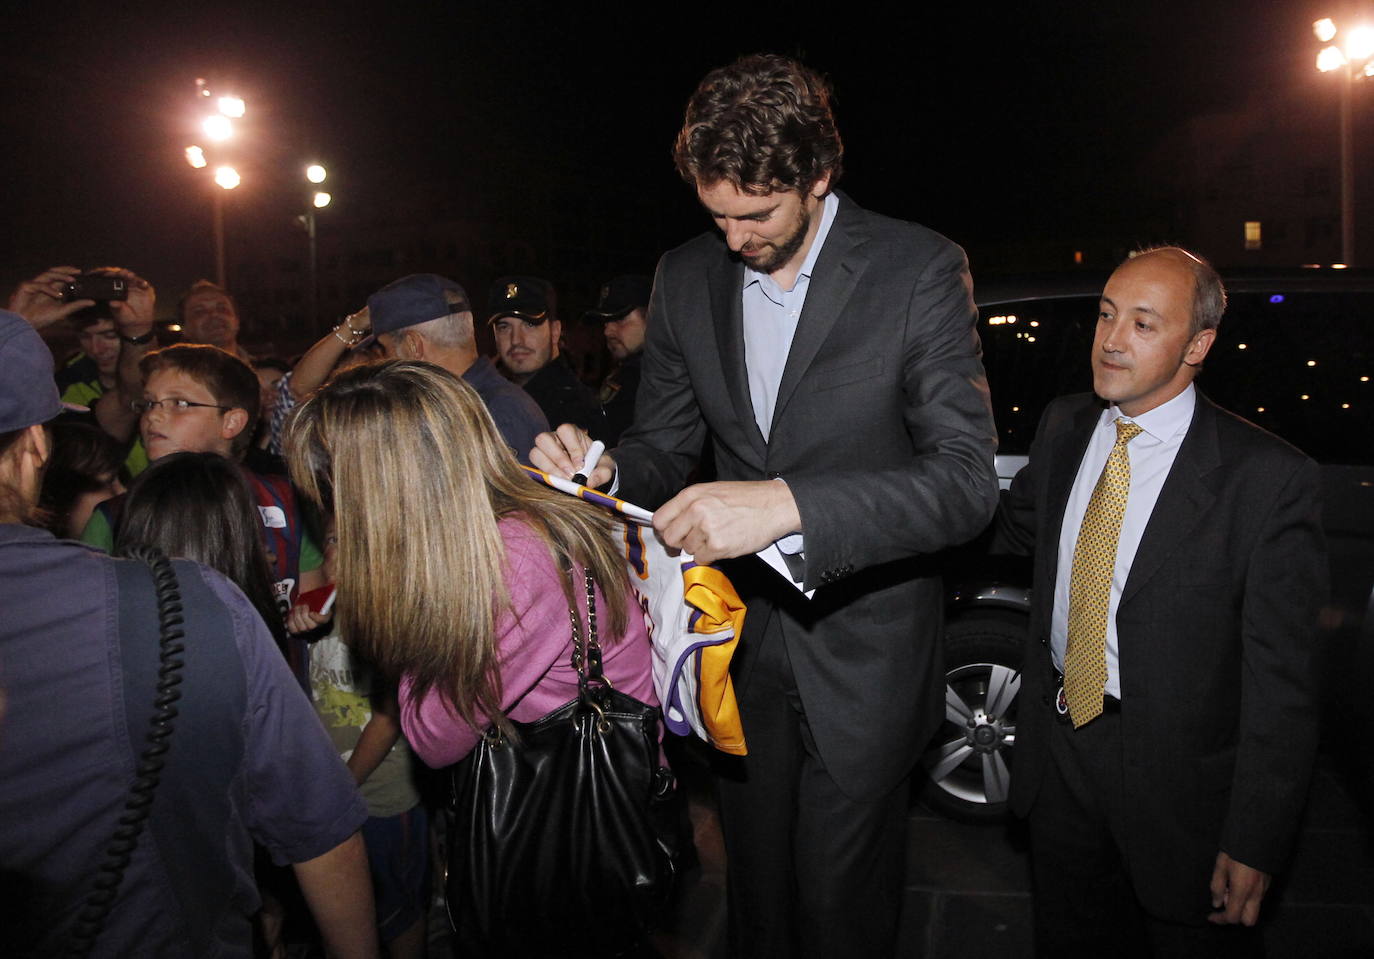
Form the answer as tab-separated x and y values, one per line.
367	577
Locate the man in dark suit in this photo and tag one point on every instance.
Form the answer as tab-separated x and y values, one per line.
829	356
1167	722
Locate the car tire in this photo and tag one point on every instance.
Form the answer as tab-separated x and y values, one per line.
967	766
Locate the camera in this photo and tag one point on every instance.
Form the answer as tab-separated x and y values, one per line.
96	286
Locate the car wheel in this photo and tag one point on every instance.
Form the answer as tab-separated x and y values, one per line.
968	763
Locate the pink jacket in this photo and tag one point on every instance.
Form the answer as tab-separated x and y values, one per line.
535	641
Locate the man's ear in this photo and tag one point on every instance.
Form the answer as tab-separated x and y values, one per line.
42	442
822	185
22	464
234	423
1197	349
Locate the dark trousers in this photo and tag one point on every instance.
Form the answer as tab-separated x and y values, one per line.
1084	897
812	871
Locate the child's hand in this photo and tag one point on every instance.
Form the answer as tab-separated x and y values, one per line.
302	620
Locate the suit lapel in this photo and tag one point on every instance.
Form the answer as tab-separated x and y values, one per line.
1066	455
726	281
833	279
1183	502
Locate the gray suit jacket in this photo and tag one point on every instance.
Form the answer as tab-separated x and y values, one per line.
883	432
1216	634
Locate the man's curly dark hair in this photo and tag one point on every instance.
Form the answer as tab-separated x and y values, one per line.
764	124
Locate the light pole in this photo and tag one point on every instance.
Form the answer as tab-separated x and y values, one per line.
316	174
218	127
1354	57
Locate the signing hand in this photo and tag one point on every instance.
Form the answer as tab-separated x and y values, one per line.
40	300
561	453
720	520
1236	892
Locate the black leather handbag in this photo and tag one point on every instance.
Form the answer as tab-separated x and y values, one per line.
563	840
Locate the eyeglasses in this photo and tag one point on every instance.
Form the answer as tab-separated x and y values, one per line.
175	405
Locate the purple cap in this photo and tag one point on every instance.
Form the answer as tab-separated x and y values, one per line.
413	299
28	393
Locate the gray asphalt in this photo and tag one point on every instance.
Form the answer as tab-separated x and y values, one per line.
968	886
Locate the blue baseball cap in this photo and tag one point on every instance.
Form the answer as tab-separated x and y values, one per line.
28	393
413	299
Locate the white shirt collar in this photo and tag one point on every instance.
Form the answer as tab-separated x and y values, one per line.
1167	419
829	206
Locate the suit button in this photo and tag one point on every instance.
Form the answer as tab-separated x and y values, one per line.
773	474
1044	641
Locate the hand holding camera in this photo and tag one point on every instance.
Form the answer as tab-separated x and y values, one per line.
43	300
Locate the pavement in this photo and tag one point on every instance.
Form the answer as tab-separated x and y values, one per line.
968	886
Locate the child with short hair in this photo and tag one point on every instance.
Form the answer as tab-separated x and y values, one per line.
201	399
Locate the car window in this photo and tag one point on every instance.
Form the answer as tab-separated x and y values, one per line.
1034	351
1297	364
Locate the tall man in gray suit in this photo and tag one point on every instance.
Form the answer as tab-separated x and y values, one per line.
829	356
1167	718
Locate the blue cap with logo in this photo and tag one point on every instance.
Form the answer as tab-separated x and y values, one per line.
28	393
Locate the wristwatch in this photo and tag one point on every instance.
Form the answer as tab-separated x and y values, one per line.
140	340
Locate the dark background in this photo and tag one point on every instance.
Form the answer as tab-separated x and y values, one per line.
1024	132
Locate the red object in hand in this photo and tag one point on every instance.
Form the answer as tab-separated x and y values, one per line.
320	601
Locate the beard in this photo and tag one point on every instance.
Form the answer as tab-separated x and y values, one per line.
772	257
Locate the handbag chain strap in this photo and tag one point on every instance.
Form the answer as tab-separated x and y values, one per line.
586	654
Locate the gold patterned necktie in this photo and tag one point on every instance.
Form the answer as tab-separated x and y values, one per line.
1090	585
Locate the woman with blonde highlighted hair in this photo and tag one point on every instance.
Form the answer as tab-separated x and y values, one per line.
455	570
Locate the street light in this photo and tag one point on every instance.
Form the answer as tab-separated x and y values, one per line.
231	106
218	127
1356	58
314	173
227	177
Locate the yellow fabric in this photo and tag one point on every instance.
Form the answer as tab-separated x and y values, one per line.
708	590
1090	585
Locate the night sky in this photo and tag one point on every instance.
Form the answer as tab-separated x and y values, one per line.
1028	120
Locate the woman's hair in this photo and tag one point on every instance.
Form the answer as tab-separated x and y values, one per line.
407	458
84	460
198	506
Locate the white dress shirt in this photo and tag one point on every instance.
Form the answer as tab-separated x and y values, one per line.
770	321
1152	455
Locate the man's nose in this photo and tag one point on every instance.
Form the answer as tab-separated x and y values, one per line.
1111	338
736	235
